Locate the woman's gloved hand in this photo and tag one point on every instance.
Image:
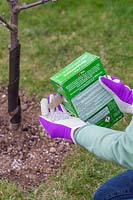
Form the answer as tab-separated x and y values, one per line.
122	94
57	122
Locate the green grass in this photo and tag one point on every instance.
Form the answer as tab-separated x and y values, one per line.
51	36
9	191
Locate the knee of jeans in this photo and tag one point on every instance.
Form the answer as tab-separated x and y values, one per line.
99	194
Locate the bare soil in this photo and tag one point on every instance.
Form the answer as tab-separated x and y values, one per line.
28	156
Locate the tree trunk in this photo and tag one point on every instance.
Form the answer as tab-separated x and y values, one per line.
14	107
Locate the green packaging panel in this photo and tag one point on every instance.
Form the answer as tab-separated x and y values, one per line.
84	96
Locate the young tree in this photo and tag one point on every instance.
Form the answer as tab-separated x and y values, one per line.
14	103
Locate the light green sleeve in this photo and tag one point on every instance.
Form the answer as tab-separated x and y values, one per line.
108	144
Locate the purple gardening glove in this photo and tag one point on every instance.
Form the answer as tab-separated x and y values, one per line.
58	123
122	94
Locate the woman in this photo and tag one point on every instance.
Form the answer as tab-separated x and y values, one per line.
106	143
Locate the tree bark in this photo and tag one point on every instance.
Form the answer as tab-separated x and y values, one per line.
14	107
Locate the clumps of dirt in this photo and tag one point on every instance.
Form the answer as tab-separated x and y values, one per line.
28	156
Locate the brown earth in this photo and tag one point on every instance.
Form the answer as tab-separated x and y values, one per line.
28	156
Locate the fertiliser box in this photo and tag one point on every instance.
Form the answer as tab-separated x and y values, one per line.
84	96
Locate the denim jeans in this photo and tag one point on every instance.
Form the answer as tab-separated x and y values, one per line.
119	187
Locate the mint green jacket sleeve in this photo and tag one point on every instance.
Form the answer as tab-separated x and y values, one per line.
108	144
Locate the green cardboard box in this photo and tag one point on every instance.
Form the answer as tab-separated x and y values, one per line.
84	96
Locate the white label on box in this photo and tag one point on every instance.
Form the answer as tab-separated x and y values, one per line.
91	100
100	115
